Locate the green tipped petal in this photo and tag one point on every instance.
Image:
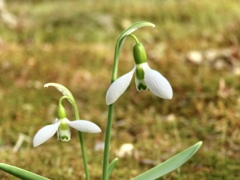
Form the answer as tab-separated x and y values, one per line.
139	72
64	133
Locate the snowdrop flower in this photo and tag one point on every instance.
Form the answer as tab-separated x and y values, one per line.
61	126
145	78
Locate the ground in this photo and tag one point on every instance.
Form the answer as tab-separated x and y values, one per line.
195	45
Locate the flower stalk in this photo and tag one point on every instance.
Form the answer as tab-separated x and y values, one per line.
119	43
80	125
84	156
81	141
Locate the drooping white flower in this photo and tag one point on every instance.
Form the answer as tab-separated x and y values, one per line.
61	126
145	78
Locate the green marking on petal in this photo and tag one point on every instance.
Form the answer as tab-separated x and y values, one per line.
63	125
64	138
64	135
63	132
139	73
142	87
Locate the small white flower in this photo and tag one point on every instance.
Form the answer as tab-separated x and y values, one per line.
61	126
153	80
145	78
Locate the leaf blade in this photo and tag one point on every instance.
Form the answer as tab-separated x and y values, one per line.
112	166
170	164
21	173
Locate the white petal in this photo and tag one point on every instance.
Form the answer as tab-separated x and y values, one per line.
45	133
118	87
158	84
84	126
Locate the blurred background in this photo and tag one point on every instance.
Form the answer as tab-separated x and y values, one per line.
195	45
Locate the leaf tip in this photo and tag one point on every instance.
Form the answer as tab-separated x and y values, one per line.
200	143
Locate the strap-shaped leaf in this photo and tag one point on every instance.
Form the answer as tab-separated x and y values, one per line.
112	166
170	164
121	39
21	173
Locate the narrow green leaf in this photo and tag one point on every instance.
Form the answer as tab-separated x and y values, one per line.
63	90
121	39
170	164
112	166
20	173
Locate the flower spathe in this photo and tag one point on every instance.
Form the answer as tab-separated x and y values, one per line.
61	126
145	78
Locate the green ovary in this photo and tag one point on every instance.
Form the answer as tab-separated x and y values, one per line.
139	53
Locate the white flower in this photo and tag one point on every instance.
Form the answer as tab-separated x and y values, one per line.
145	78
61	126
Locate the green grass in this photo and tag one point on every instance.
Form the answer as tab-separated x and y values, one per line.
72	43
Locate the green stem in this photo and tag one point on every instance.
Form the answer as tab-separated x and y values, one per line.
110	111
117	54
72	100
110	115
107	142
68	95
134	37
84	156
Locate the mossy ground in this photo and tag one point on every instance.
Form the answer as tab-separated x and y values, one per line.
72	43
